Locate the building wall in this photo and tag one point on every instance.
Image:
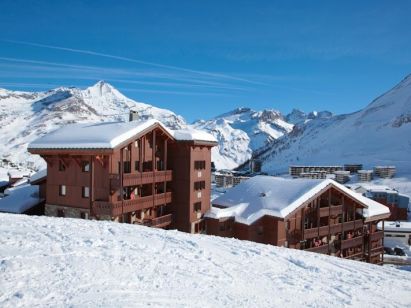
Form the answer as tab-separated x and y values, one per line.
74	179
182	157
267	230
331	217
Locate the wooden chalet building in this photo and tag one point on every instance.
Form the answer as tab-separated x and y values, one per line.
315	215
134	172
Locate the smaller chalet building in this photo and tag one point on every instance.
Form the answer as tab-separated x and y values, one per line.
134	172
315	215
396	202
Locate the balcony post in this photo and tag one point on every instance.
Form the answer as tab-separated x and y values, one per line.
154	166
382	242
121	182
141	154
91	184
165	165
318	202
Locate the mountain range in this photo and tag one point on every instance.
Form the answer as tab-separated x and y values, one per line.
378	134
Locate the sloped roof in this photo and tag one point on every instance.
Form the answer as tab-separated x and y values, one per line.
93	135
108	135
273	196
20	199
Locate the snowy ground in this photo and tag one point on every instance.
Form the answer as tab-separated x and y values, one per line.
66	262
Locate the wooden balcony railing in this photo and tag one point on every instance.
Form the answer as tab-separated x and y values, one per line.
119	207
351	225
160	222
332	229
140	178
332	210
320	249
376	251
353	242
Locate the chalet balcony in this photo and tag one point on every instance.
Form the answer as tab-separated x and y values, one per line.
158	222
353	242
333	229
376	251
331	211
320	249
140	178
352	225
120	207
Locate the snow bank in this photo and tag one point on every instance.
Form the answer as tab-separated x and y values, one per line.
66	262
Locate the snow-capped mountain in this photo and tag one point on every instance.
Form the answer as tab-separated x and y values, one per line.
25	116
243	131
379	134
297	116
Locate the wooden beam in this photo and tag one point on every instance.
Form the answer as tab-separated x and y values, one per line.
78	160
100	159
121	183
64	161
91	184
49	160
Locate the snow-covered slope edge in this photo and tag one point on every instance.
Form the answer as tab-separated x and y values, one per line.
66	262
379	134
25	116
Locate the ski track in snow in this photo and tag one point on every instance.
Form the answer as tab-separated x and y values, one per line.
68	262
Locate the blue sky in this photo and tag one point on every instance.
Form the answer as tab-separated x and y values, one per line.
201	59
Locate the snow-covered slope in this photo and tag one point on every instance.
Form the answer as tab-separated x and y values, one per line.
379	134
65	262
241	132
25	116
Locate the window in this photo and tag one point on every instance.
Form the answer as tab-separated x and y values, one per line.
62	190
62	167
200	227
137	165
85	192
84	215
60	213
197	207
85	166
199	185
199	164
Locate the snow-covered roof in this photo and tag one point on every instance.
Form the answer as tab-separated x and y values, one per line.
18	173
190	134
38	175
108	135
375	188
396	226
93	135
273	196
20	199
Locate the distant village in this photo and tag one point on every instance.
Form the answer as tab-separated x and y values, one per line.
140	172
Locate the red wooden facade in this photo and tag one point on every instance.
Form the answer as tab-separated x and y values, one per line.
331	222
149	179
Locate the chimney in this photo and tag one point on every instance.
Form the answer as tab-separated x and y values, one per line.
133	115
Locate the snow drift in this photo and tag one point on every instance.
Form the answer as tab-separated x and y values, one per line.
67	262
